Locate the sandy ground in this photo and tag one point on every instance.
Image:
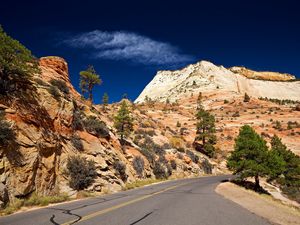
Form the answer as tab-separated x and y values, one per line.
261	205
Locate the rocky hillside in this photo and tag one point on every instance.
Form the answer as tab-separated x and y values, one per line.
53	122
206	77
273	107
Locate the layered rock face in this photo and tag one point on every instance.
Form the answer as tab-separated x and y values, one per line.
262	75
205	77
44	126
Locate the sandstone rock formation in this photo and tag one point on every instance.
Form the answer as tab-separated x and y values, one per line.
44	126
205	77
262	75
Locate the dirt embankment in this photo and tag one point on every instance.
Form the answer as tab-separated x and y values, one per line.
261	205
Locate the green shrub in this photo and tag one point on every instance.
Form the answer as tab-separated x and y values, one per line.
77	122
193	156
150	156
40	82
61	85
96	127
173	164
138	165
206	166
53	90
76	142
7	134
159	171
120	167
82	172
226	101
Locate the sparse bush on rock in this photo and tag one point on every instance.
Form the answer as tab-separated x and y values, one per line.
193	156
54	91
7	134
138	165
96	127
76	142
61	85
82	172
206	166
120	167
159	171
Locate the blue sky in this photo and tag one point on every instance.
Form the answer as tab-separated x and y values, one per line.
128	41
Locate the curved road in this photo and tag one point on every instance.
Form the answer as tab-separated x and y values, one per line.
181	202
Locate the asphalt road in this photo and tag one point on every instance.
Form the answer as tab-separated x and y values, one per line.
181	202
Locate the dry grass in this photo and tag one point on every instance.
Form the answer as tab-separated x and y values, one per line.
141	183
33	200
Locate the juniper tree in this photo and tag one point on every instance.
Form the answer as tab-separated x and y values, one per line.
88	79
123	121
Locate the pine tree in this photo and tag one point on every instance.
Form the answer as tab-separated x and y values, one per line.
250	155
291	169
88	79
17	65
123	121
105	100
205	130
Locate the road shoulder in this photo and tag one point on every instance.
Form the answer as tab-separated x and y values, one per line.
261	205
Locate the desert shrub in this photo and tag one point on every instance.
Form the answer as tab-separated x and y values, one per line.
226	101
206	166
77	122
7	134
173	164
192	155
277	125
148	154
120	167
246	98
138	165
182	130
151	133
176	142
158	150
53	90
178	124
180	155
159	171
76	142
61	85
292	192
40	82
95	126
236	114
166	146
81	171
169	170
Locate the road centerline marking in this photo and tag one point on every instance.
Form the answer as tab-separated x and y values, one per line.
101	212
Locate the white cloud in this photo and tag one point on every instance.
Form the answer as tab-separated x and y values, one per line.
121	45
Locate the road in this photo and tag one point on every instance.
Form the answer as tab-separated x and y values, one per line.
181	202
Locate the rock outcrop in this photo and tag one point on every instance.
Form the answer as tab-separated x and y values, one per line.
45	126
206	77
262	75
